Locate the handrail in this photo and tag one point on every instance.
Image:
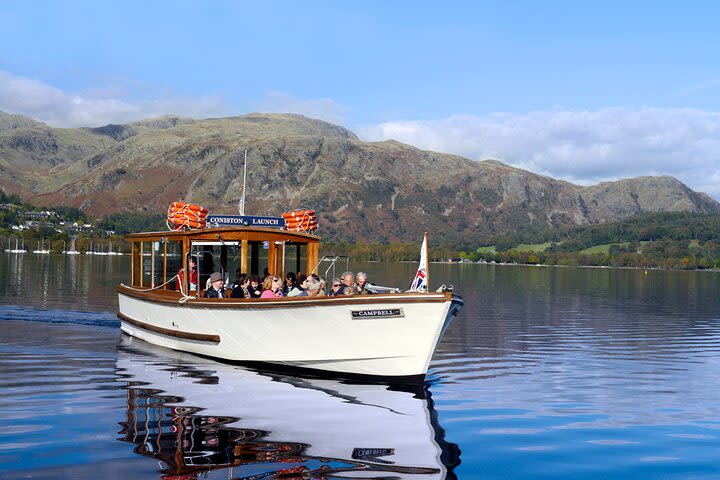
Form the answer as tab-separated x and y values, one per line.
333	260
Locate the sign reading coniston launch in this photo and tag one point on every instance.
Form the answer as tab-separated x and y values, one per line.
244	220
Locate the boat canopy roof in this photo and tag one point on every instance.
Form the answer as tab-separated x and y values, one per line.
228	233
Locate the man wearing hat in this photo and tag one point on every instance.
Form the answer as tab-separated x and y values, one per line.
216	289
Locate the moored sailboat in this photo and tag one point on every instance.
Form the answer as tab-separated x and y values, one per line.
17	249
72	250
41	248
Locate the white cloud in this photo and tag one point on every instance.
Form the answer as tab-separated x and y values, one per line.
322	108
95	107
581	147
105	104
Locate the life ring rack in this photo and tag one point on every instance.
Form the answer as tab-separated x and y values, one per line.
302	220
186	216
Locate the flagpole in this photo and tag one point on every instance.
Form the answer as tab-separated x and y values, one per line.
421	281
427	266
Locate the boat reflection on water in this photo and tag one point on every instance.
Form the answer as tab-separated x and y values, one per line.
197	416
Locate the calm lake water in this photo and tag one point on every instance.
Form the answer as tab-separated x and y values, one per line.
547	373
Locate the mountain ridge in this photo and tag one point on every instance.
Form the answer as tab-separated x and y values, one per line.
382	191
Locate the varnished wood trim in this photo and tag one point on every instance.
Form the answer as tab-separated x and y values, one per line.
229	233
171	333
255	303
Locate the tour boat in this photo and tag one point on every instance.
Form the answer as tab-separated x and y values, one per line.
193	416
387	336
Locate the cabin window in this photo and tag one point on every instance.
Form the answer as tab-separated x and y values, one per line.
295	257
216	256
173	262
158	270
232	260
258	257
146	264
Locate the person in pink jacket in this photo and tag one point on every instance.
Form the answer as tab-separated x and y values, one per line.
271	287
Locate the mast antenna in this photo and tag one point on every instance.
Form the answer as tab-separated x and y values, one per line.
241	203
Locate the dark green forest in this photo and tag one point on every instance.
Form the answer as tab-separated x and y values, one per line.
661	240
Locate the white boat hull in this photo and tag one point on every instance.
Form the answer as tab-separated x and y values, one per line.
320	334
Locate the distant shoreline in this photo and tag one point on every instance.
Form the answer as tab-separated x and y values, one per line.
600	267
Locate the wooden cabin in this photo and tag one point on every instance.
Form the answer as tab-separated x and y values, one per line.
158	256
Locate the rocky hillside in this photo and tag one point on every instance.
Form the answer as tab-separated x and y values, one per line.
368	191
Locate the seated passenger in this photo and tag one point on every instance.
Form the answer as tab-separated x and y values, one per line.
348	284
231	286
242	284
323	286
289	282
254	289
313	288
336	288
271	287
216	289
361	284
300	288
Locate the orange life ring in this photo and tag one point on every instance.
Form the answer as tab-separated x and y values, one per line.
195	213
298	213
295	222
302	227
187	223
189	206
184	219
305	220
298	217
301	224
190	215
203	211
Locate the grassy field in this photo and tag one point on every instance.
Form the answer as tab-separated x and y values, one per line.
605	248
536	247
541	247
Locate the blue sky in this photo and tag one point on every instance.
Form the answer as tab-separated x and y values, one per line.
576	90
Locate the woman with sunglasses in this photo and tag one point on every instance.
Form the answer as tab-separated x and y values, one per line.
271	287
337	288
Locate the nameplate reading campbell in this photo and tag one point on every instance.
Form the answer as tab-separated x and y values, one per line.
377	313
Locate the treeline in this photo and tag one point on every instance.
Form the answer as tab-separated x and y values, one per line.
124	223
638	259
663	240
58	233
14	209
646	227
382	252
